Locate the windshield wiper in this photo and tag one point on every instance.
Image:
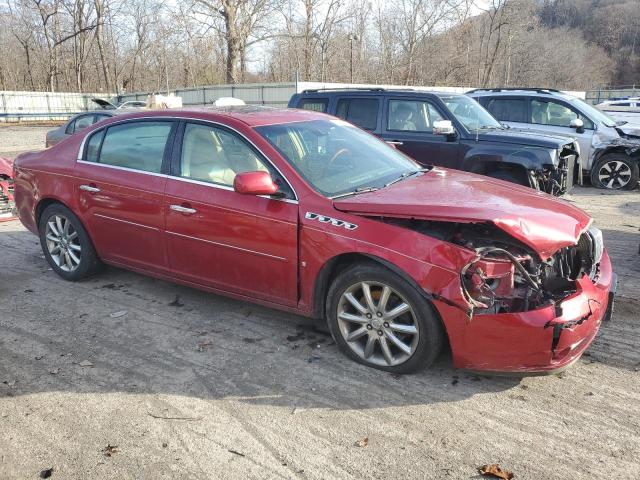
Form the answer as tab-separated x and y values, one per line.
355	192
490	127
406	175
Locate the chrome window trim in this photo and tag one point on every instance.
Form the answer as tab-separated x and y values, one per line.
212	122
126	169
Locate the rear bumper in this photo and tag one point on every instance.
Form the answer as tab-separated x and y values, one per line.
537	341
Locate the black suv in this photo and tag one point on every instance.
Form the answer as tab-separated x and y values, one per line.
452	130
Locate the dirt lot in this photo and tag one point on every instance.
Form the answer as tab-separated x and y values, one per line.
186	384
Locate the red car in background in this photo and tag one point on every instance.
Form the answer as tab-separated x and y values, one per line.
300	211
7	204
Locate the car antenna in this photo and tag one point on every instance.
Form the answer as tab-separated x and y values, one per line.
477	125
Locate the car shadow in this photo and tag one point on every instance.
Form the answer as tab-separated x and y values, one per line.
124	332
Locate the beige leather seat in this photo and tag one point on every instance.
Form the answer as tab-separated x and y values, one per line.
203	158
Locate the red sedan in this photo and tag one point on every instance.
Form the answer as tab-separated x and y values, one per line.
303	212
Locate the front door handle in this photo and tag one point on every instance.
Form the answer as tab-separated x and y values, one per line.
89	188
394	142
181	209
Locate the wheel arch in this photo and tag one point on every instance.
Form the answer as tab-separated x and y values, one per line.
617	149
332	268
43	203
487	167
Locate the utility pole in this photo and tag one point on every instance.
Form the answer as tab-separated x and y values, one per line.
352	37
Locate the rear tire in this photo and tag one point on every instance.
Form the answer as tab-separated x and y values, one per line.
66	244
379	319
615	171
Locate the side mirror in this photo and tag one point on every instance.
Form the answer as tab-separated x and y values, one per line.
443	127
577	124
255	183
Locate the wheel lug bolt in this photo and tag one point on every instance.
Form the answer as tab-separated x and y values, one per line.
386	325
380	332
369	327
368	315
379	314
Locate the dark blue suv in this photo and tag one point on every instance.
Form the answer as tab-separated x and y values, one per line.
452	130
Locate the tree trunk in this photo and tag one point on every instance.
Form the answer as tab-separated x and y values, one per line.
100	41
233	41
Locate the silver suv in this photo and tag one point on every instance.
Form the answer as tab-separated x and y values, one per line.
609	150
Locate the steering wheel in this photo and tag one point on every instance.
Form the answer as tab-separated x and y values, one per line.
336	155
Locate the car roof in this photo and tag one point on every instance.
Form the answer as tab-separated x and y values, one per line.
520	92
251	115
368	92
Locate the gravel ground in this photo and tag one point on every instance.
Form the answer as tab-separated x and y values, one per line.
186	384
16	139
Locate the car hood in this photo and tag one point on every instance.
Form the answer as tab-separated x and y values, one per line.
6	167
107	105
540	221
523	137
630	129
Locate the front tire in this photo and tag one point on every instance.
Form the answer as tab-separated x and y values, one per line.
380	320
66	244
615	171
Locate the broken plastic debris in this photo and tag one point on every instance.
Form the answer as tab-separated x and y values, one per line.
109	450
494	470
86	363
363	442
118	314
46	473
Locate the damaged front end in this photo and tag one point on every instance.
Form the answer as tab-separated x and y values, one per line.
509	279
525	313
557	178
7	202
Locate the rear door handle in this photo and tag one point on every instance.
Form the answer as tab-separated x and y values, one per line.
394	142
89	188
181	209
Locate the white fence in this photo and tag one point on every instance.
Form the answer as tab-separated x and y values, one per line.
38	106
35	106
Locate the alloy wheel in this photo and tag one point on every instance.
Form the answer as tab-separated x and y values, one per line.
63	243
378	324
614	174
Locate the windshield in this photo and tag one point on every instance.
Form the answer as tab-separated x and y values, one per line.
593	112
470	113
336	157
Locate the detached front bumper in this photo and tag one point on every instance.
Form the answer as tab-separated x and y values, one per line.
536	341
7	203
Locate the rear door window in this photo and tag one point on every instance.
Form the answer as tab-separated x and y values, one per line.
314	104
362	112
137	145
508	109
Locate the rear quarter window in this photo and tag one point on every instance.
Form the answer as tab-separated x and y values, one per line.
314	104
